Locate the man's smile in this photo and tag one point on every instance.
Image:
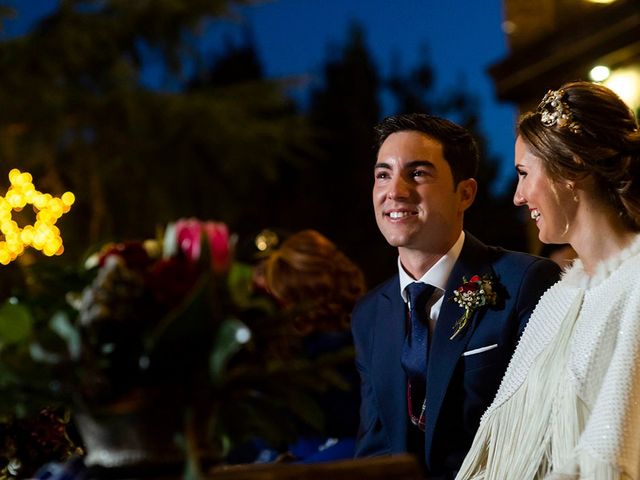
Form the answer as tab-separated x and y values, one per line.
399	214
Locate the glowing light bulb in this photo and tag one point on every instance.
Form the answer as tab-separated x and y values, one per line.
68	198
599	73
626	83
43	234
13	174
39	201
56	207
5	258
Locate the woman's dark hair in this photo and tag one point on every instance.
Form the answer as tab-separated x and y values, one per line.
596	135
458	145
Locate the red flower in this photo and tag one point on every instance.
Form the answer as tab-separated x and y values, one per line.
132	252
218	236
171	280
471	286
189	237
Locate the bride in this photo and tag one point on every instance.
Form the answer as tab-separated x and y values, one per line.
569	404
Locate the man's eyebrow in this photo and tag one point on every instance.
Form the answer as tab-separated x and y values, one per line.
419	163
382	165
411	164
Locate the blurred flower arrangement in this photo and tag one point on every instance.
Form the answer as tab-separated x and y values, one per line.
176	316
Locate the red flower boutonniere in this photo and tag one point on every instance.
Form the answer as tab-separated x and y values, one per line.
472	294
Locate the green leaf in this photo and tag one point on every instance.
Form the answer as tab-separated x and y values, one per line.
240	283
305	407
170	241
41	354
231	336
62	325
334	379
191	319
205	251
16	323
241	288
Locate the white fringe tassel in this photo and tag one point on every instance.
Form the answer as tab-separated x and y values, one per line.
535	433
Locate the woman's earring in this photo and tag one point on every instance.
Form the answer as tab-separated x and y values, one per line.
573	192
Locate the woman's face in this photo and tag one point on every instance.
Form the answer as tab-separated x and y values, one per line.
550	203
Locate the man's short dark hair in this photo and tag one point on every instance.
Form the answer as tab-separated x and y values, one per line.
458	146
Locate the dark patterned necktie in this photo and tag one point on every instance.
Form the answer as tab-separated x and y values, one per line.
416	348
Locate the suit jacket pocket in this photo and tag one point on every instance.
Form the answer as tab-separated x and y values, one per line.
481	357
479	350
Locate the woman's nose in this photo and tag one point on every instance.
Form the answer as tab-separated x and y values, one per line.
518	198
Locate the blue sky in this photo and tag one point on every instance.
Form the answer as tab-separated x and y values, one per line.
461	38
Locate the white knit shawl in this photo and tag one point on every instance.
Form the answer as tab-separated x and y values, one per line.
569	403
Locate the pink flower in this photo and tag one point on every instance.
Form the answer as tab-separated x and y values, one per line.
189	240
218	236
188	235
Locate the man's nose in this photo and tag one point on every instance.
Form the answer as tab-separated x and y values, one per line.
398	189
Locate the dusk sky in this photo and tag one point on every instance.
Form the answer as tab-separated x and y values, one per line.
460	38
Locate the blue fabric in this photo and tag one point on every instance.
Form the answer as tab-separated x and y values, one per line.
312	449
339	407
325	450
459	388
73	469
416	345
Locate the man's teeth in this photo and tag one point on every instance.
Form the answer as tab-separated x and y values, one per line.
399	214
535	214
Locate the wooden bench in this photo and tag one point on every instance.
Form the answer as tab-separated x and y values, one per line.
395	467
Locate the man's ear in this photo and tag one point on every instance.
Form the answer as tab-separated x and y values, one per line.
467	189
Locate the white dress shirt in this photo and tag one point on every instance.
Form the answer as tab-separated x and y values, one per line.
437	275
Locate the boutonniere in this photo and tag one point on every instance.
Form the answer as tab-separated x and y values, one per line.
474	293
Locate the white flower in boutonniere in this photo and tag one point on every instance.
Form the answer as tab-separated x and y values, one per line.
472	294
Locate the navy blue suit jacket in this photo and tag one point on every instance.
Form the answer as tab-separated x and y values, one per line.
459	387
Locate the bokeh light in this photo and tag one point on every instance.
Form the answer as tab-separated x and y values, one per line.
599	73
43	235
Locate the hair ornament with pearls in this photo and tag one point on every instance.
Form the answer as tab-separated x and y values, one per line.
555	111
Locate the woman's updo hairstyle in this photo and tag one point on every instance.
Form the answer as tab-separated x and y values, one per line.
311	276
584	129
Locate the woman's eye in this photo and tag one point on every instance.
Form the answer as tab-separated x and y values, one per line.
521	173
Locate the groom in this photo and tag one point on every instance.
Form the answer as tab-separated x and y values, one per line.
431	359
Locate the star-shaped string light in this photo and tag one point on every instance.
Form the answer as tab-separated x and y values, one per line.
43	235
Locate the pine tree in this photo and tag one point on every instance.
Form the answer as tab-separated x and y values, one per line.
343	112
78	115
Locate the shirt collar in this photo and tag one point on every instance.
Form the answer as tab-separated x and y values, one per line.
438	274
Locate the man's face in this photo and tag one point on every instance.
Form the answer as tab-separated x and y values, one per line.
414	199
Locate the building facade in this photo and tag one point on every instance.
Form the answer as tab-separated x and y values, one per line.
555	41
552	42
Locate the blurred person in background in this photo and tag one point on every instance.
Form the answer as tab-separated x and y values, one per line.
317	285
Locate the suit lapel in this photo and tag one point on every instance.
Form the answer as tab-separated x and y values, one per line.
388	375
445	353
